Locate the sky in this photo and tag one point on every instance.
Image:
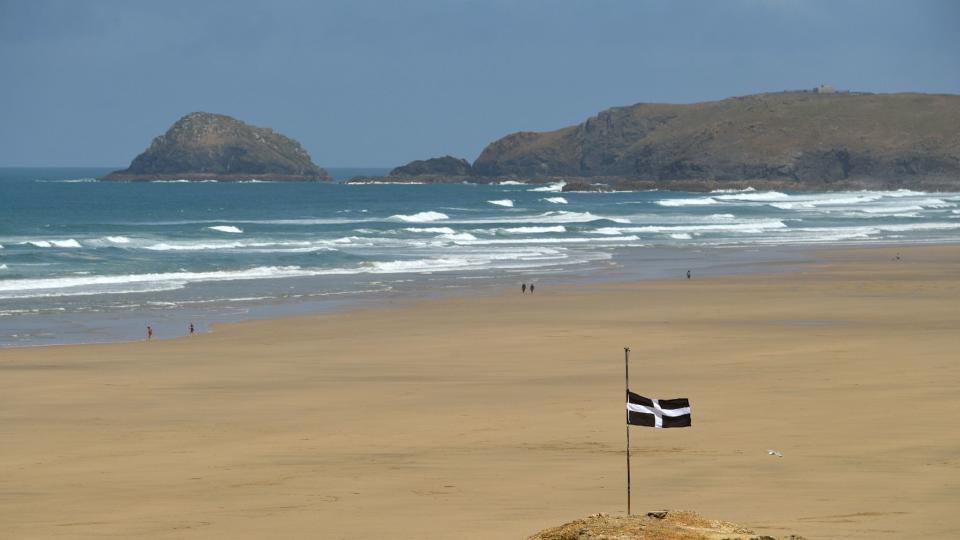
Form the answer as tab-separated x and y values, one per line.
381	83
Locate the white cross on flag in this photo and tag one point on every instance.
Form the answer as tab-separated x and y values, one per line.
658	413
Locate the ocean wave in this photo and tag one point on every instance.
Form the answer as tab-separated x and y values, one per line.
436	230
3	267
519	258
226	228
379	183
457	236
502	202
541	240
556	200
534	230
127	283
681	236
117	239
745	190
754	197
557	216
510	183
185	181
69	181
421	217
555	188
743	227
69	243
687	202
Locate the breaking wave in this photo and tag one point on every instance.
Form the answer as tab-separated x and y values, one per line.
69	243
226	229
420	217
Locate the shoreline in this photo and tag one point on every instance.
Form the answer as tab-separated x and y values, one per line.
756	260
501	415
626	265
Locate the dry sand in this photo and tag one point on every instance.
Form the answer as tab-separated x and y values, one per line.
496	417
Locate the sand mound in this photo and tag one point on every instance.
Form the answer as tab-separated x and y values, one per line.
663	525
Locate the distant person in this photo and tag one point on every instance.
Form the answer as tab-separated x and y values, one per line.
191	329
688	274
531	288
149	332
523	289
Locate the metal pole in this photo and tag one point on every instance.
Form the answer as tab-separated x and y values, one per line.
626	366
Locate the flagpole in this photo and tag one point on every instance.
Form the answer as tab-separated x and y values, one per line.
626	367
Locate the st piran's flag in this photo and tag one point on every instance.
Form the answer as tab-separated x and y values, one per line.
658	413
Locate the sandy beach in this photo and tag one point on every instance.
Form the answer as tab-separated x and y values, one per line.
494	417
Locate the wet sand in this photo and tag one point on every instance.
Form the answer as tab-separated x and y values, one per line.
497	416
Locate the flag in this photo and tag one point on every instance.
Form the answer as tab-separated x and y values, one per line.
659	413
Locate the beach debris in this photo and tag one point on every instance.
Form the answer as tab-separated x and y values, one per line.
774	453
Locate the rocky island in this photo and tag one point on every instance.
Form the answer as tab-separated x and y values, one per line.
205	146
800	140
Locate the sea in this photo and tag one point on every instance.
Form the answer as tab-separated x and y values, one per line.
88	261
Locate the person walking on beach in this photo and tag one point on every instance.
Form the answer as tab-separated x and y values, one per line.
191	329
531	288
688	274
149	332
523	289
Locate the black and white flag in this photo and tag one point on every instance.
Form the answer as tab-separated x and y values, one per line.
659	413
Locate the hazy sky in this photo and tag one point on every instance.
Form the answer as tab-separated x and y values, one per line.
379	83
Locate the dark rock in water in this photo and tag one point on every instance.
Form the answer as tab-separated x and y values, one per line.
797	140
441	166
205	146
580	185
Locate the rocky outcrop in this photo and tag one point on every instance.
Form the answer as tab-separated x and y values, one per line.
795	140
205	146
662	524
440	166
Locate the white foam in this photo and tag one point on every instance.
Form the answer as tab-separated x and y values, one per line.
69	243
746	190
556	200
535	230
555	188
70	181
193	246
754	197
681	236
3	267
457	236
510	183
561	216
421	217
124	283
574	240
687	202
226	228
379	183
757	226
436	230
502	202
118	239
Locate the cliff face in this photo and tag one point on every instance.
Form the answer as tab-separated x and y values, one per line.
204	146
801	138
446	165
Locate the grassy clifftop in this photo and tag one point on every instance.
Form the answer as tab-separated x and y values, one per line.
804	138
